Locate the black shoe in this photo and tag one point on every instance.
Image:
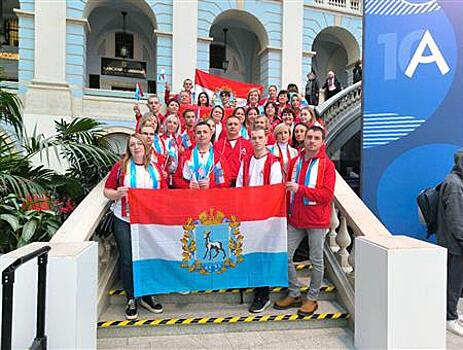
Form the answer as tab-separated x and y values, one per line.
131	311
259	304
150	304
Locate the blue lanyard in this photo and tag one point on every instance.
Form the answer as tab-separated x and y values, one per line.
199	170
157	145
307	174
133	175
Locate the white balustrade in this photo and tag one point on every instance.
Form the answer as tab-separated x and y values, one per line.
332	232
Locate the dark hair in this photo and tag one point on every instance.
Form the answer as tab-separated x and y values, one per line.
318	128
273	85
242	108
214	108
186	111
274	106
202	123
283	92
252	108
292	88
207	97
290	111
173	100
225	93
294	142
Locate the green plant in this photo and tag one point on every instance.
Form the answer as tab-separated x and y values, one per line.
25	221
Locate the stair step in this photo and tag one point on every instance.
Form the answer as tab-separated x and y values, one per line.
183	318
327	292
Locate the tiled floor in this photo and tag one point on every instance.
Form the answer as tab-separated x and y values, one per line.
329	338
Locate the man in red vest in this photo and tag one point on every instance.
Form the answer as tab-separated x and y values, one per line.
257	169
310	182
233	147
201	167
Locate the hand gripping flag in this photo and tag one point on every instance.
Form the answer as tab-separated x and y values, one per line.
138	92
190	240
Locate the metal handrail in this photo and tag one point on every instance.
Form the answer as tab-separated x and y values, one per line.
40	341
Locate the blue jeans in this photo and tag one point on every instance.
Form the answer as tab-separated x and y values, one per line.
316	239
121	230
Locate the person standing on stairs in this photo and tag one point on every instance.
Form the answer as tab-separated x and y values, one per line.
258	169
134	170
450	235
310	180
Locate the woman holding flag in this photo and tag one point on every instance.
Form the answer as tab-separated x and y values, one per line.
134	170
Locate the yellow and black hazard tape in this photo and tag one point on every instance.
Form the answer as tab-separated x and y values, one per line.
302	266
219	320
326	289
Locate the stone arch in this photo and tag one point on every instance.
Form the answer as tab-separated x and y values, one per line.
338	50
117	137
246	39
105	20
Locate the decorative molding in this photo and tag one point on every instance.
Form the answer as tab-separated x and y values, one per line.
309	53
80	21
204	38
269	48
164	34
23	13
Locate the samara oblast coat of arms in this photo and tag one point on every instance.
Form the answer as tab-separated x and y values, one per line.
212	243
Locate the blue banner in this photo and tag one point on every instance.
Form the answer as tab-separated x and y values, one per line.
412	119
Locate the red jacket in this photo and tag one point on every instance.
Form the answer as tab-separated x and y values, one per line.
233	156
267	168
180	182
301	215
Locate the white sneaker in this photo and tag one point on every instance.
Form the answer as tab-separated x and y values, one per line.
460	315
455	327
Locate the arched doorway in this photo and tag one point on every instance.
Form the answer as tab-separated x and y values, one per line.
337	50
121	47
9	40
238	56
117	138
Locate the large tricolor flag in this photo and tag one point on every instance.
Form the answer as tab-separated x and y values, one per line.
189	240
213	85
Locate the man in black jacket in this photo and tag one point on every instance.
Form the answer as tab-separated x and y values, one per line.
450	236
312	89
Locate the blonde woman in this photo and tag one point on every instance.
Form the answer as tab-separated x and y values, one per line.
281	148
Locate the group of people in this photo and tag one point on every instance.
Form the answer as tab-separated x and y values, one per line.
274	140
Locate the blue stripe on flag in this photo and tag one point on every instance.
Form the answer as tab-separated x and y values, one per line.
156	276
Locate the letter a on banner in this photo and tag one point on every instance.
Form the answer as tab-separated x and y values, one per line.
436	56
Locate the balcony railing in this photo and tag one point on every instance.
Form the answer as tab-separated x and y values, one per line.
352	6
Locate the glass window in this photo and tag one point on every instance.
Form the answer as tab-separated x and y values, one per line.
11	31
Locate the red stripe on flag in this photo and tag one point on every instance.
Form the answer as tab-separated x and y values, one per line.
216	83
174	207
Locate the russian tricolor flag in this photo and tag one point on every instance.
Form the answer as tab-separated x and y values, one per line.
189	240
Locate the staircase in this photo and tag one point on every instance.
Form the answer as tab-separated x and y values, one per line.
218	311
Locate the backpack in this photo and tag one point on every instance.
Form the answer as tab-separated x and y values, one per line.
428	201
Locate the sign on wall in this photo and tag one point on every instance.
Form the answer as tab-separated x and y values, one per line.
413	95
123	68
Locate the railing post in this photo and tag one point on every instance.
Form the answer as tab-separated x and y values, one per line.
40	341
351	260
343	240
334	223
7	309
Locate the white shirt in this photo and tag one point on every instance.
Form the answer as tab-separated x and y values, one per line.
256	173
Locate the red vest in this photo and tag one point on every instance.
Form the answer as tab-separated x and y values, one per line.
267	168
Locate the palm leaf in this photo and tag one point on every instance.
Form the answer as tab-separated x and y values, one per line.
10	110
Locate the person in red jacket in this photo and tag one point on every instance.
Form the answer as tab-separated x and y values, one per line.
233	147
310	183
258	169
188	134
201	167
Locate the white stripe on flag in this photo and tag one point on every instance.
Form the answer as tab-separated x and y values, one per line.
163	241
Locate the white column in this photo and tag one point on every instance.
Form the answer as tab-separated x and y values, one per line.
291	62
71	295
184	45
400	293
50	41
